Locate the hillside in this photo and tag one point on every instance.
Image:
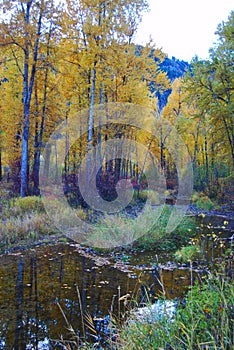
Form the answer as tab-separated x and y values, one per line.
174	68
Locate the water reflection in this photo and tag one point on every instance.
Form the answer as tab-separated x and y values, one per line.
33	282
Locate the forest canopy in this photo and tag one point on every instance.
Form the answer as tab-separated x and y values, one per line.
57	60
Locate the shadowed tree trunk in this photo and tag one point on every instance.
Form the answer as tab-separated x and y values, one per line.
90	131
19	337
39	135
27	91
0	163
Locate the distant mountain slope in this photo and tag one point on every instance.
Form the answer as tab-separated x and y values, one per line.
174	69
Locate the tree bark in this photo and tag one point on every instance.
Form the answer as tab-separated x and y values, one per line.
27	95
196	145
0	163
90	131
37	155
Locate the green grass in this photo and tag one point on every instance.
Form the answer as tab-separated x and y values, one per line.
202	201
158	238
145	232
205	321
188	254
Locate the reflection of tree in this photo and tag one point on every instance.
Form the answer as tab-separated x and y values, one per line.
34	262
84	286
30	314
19	335
93	283
60	276
33	323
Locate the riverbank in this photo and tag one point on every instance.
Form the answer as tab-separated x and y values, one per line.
225	212
24	221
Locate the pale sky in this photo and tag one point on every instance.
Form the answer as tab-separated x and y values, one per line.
184	28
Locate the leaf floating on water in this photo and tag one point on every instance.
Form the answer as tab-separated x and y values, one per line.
124	297
104	282
98	319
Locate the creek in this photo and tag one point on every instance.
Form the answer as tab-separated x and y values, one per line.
34	281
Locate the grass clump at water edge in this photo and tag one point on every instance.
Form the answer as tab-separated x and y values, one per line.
205	321
146	231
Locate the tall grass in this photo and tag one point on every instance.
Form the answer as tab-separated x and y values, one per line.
29	227
144	232
23	219
204	321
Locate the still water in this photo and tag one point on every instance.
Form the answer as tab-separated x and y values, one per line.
33	282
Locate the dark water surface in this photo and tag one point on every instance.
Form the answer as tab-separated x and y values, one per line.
33	282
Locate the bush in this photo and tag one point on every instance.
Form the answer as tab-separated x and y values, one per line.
119	230
195	197
150	195
143	232
23	220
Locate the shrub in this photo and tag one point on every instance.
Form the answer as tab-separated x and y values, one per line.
119	230
150	195
195	197
153	197
145	232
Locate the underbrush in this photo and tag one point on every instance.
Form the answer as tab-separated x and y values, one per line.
25	219
203	319
188	254
207	202
202	201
